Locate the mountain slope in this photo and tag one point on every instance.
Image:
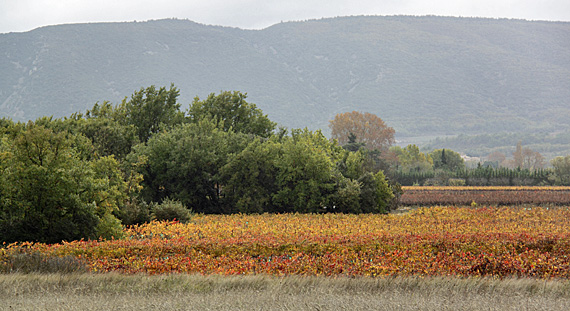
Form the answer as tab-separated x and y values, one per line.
425	76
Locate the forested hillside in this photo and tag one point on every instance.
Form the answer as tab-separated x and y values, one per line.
425	76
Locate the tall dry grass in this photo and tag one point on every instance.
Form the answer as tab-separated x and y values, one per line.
84	291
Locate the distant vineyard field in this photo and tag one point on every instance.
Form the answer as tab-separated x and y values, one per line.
434	241
426	196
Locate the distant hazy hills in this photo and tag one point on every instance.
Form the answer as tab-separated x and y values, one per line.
425	76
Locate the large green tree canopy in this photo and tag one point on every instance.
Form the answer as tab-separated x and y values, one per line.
50	190
184	162
150	110
231	110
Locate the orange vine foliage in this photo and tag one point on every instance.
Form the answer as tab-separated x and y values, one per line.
436	241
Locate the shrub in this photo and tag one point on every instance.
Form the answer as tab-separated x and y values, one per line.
171	210
456	182
134	212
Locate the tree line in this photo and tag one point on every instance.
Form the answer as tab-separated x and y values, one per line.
444	167
87	175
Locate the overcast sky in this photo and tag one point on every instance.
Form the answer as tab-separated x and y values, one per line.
25	15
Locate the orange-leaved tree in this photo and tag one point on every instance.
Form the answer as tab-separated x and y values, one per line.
366	128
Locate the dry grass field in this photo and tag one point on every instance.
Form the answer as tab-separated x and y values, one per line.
111	291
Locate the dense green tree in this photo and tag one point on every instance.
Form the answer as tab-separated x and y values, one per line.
231	111
302	173
150	110
376	194
250	177
171	210
446	159
561	170
184	164
305	178
410	159
49	191
348	197
352	144
101	125
353	164
296	173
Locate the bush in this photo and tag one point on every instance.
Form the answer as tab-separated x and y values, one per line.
134	212
456	182
171	210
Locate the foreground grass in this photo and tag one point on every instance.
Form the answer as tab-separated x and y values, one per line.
112	291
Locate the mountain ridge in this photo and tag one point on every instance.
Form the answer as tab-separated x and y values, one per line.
424	76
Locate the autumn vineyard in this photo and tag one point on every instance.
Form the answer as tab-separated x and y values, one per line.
428	241
426	196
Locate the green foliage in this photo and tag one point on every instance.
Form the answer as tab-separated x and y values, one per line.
305	172
301	173
150	110
250	177
397	191
561	170
410	159
446	159
102	126
171	210
352	144
376	194
109	190
480	176
456	182
109	227
384	193
412	178
348	197
53	187
47	189
184	164
231	111
134	211
352	165
368	192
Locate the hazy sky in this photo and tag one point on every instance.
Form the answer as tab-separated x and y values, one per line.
24	15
